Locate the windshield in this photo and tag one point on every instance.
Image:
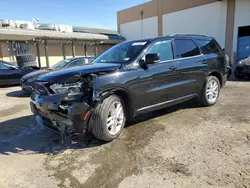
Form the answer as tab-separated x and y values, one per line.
121	53
5	65
60	64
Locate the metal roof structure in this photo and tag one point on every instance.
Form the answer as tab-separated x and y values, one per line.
33	35
94	30
46	37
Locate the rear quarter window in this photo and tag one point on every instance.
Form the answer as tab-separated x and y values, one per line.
208	46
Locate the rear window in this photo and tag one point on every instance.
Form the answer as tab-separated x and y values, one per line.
208	46
186	48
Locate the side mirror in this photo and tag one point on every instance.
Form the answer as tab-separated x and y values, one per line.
152	58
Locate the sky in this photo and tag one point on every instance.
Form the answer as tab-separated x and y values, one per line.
86	13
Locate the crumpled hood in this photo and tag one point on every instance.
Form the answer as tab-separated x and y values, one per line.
35	73
64	75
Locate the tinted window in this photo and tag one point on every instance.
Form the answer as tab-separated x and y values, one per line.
208	46
60	64
76	63
88	60
4	66
186	48
163	48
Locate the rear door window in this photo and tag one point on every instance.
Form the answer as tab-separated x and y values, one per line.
186	48
163	48
208	46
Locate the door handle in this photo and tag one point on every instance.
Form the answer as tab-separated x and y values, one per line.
204	62
173	68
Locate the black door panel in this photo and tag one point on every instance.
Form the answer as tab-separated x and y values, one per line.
164	82
8	76
158	82
192	66
192	74
155	84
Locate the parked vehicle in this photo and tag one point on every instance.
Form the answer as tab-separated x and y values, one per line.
129	79
242	68
25	60
11	74
28	81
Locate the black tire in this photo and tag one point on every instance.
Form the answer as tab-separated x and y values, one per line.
99	119
203	94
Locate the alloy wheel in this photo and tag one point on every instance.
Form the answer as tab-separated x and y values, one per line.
115	118
212	91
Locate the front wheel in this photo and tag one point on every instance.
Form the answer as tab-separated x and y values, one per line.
210	92
108	119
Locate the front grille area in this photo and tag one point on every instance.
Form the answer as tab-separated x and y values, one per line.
41	89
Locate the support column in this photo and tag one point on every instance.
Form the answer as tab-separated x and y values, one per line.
1	53
73	49
46	52
63	51
38	54
95	49
142	13
160	14
230	29
85	50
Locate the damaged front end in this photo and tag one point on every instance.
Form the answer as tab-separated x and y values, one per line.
64	107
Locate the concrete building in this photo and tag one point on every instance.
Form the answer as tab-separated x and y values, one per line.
226	20
50	43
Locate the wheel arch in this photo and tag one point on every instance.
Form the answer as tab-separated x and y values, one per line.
217	75
125	96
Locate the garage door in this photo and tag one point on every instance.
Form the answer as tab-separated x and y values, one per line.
243	50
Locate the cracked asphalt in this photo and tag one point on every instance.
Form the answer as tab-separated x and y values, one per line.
181	146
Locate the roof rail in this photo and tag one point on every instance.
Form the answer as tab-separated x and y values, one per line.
191	35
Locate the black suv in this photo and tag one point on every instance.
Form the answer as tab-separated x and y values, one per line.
129	79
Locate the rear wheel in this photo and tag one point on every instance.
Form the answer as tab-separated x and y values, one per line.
210	92
108	119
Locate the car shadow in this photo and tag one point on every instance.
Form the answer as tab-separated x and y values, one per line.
18	94
24	135
9	85
145	117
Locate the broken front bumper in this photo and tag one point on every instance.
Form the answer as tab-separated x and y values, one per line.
68	119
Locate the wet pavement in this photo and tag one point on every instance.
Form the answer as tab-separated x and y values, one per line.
182	146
